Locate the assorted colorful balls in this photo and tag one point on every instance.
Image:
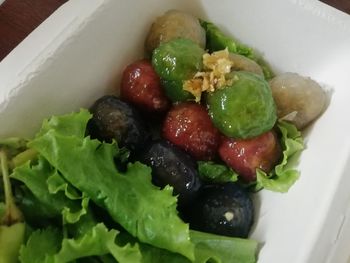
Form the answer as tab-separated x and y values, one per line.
215	107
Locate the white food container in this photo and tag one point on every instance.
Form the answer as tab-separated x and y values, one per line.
78	54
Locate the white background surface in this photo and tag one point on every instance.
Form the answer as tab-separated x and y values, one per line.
78	55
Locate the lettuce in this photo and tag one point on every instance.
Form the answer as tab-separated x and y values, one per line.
64	185
130	198
284	175
40	244
44	183
11	238
209	248
218	173
218	40
49	246
221	249
280	179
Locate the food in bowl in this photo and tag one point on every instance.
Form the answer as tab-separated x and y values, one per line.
100	185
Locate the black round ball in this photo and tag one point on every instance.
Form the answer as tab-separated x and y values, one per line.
172	166
223	209
115	119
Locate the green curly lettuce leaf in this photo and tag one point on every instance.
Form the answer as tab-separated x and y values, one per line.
221	249
61	181
73	124
130	198
284	175
218	40
217	173
49	246
209	248
40	245
51	191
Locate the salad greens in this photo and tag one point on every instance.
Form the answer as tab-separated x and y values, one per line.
208	248
89	211
214	172
66	199
284	175
12	227
218	40
43	182
280	179
98	168
50	246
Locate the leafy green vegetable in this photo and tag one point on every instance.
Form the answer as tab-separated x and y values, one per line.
284	175
217	40
130	198
12	227
209	248
213	172
48	246
73	124
42	178
13	146
40	245
268	73
11	239
221	249
98	241
63	183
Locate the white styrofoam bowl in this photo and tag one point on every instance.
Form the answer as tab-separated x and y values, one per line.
79	52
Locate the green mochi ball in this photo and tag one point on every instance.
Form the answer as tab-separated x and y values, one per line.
244	109
176	61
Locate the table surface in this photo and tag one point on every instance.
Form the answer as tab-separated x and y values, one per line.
20	17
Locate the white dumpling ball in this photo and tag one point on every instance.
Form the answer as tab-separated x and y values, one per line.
298	99
174	24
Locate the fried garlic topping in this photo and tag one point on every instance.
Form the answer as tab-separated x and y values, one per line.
216	66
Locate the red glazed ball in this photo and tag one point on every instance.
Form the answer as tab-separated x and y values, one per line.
244	156
141	86
189	126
